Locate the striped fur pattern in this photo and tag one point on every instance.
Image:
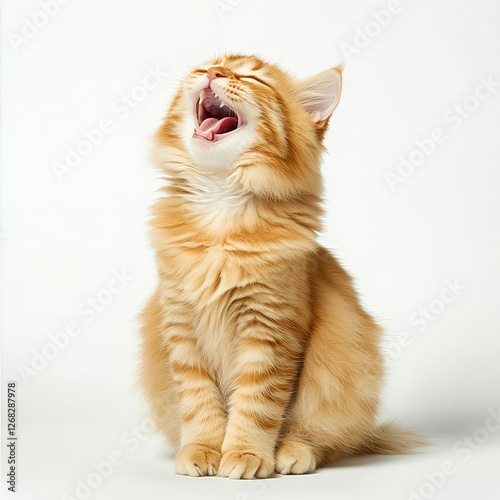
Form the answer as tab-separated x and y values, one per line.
256	354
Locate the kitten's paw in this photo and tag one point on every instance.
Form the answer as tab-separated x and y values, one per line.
197	460
245	464
295	457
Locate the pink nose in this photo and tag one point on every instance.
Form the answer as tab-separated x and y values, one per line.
218	72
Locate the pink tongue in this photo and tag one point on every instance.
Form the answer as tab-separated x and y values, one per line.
216	126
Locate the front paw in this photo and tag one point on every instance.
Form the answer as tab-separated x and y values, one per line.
246	464
197	460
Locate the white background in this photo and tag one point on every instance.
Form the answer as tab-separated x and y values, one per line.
63	238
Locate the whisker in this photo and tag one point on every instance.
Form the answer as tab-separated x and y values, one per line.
274	56
174	70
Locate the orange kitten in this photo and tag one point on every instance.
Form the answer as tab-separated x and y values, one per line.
257	356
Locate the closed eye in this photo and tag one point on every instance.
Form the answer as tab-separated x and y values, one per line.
257	79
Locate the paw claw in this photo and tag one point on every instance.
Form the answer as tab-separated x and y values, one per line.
245	464
295	457
197	460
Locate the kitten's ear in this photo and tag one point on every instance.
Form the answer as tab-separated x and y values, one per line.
320	94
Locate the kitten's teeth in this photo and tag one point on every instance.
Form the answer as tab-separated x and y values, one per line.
203	94
221	104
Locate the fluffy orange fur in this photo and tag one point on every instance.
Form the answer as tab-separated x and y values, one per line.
256	353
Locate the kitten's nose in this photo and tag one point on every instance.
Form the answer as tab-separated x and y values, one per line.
218	72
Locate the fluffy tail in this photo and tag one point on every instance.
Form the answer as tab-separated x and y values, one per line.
389	438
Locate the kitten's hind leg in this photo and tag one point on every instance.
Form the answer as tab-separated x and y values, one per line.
155	375
335	404
295	457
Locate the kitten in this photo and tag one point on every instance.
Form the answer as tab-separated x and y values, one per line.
256	353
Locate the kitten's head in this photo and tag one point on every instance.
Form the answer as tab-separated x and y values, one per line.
247	118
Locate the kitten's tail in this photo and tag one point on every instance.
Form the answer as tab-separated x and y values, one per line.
389	438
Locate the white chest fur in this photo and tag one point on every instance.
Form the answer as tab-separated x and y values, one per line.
219	202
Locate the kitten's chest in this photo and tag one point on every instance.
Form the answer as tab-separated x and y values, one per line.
210	280
208	273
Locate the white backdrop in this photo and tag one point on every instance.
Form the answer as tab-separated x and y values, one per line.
412	197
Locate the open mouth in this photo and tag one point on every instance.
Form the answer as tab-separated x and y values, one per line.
213	118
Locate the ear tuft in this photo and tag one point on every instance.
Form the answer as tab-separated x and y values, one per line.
320	94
